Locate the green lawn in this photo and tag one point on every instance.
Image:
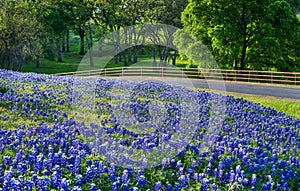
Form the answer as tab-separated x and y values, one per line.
73	62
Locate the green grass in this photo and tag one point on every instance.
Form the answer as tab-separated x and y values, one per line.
73	62
288	106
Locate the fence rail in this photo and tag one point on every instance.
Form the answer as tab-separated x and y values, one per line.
291	78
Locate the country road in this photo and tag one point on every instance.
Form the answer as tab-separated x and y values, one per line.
264	90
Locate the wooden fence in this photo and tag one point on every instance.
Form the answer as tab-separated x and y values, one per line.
291	78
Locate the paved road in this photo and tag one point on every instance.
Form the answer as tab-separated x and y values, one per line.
275	91
293	93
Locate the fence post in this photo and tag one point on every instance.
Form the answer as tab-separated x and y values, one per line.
249	76
141	71
235	75
295	79
271	77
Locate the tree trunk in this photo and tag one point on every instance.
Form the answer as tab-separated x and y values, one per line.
244	49
21	62
125	60
81	34
235	64
120	57
6	62
2	60
37	62
100	47
68	40
130	47
116	59
91	47
174	57
63	45
117	46
59	55
165	55
245	41
135	54
154	56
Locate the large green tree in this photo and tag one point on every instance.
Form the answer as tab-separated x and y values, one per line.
169	13
20	34
246	34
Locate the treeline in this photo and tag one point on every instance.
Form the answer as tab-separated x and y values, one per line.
32	29
240	34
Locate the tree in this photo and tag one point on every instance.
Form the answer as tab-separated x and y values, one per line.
169	13
246	34
20	34
81	12
111	16
56	19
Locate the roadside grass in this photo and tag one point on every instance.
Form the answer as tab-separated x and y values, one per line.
288	106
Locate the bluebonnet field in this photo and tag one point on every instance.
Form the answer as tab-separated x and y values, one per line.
43	148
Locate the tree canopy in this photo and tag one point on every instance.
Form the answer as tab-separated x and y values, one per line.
247	34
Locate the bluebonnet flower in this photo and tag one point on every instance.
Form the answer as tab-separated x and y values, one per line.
204	185
214	187
182	181
6	160
115	186
172	163
142	181
245	182
168	187
78	180
281	163
266	127
93	187
179	164
135	189
125	176
112	172
65	184
29	184
266	186
88	162
285	186
157	186
76	188
194	164
253	180
88	174
125	187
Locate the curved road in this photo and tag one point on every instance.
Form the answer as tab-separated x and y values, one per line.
275	91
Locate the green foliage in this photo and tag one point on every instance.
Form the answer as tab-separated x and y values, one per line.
3	89
198	53
246	34
19	29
